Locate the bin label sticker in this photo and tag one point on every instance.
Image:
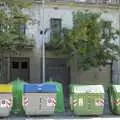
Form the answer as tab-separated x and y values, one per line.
117	102
9	103
99	102
88	89
26	100
75	102
70	100
5	103
81	102
51	101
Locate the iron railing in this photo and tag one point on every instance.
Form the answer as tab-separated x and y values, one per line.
111	2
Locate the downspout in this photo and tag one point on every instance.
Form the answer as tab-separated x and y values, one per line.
118	81
111	72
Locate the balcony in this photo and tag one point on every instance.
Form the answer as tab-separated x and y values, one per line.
108	2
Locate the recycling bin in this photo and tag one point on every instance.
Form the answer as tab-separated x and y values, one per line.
87	99
59	108
39	99
17	92
5	99
114	98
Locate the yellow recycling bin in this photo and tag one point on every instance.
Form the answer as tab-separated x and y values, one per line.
5	99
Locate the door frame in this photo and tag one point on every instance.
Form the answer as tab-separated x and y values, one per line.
60	61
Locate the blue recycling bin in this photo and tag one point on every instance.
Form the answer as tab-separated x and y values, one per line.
39	99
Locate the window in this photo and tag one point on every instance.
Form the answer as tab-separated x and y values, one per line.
15	65
24	65
2	5
107	28
55	25
1	28
22	28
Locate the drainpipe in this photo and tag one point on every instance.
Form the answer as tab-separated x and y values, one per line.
111	72
118	81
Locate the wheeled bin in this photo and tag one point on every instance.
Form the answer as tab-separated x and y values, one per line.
59	97
5	99
87	99
17	91
39	99
114	98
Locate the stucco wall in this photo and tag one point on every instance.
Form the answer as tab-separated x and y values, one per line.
65	13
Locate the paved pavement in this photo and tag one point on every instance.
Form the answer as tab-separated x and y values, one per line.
111	117
64	116
94	118
118	118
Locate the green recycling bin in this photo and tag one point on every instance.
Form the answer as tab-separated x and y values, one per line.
59	97
114	98
17	91
87	99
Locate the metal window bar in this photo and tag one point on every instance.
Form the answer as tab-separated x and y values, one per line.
56	26
4	64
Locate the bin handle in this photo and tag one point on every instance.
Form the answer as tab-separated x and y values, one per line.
88	91
39	89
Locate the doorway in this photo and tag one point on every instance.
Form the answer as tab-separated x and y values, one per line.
57	70
19	68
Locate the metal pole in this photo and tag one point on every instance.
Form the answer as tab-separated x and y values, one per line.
43	44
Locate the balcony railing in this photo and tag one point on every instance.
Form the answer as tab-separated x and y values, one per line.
109	2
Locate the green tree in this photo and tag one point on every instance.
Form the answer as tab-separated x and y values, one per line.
12	19
92	41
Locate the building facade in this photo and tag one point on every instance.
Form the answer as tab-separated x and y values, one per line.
58	14
44	21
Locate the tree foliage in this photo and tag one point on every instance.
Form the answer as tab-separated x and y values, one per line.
92	41
11	20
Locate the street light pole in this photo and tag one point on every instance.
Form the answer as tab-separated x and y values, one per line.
43	44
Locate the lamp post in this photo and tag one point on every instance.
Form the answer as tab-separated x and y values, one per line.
43	43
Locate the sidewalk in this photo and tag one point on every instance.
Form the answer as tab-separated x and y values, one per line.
64	118
105	117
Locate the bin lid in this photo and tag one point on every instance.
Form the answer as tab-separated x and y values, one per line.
116	88
86	89
5	88
40	88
